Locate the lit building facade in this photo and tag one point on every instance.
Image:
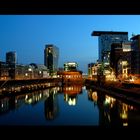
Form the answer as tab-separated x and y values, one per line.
4	71
71	74
106	38
31	71
74	77
90	66
51	56
120	59
70	66
93	70
135	64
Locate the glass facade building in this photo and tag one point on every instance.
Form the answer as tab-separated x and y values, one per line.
106	38
51	55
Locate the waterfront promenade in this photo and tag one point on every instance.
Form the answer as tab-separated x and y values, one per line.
12	86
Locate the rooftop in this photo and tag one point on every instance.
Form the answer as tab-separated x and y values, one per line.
135	37
98	33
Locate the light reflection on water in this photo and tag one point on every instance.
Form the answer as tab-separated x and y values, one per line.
67	105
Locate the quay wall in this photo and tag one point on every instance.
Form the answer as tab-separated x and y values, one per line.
12	86
124	92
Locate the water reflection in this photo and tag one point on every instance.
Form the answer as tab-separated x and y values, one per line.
113	112
12	102
92	96
51	105
71	93
48	96
70	96
4	105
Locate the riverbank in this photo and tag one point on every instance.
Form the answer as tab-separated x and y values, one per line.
25	85
117	89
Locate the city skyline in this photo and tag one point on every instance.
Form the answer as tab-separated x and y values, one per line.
28	35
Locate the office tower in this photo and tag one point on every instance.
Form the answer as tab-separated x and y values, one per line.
135	57
51	55
11	57
106	38
11	62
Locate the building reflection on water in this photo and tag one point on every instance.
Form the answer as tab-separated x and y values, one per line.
71	93
114	112
14	101
51	105
92	96
49	96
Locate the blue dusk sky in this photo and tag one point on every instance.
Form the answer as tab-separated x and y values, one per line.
28	35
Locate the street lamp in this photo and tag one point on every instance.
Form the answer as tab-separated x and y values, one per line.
40	73
30	72
26	74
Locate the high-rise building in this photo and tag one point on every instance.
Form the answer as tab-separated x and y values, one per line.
11	57
135	57
106	38
11	62
51	55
